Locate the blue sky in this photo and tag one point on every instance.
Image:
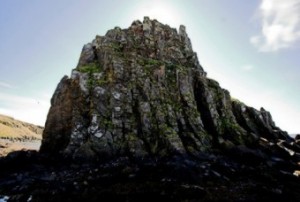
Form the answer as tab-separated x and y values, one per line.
250	47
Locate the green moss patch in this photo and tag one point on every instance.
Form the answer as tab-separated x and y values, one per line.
90	68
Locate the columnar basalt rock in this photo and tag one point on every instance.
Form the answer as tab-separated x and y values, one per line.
141	92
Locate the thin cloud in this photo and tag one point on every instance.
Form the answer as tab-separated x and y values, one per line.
5	85
280	22
247	68
22	101
32	110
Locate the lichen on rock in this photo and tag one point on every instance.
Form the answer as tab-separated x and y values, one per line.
141	92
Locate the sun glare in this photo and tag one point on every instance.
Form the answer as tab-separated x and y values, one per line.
166	13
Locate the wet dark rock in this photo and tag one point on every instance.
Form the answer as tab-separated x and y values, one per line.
211	178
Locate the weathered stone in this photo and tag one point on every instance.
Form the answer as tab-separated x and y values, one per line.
141	92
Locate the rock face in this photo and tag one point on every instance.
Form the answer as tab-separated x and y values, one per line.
141	92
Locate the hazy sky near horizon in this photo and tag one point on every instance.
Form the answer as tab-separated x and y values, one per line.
250	47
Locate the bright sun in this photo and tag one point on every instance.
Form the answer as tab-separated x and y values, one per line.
160	10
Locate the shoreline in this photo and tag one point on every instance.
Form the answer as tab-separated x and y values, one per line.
10	145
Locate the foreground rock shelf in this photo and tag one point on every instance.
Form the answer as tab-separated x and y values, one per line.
211	177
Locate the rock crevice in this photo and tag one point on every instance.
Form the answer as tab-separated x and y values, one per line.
142	92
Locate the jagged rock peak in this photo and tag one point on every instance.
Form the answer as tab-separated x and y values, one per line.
149	39
141	92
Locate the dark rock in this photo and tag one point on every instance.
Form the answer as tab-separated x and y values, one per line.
141	92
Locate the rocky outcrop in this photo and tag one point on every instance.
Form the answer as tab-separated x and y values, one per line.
138	120
141	92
